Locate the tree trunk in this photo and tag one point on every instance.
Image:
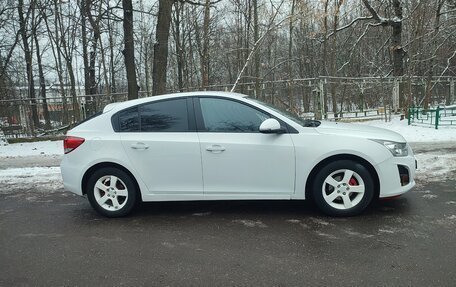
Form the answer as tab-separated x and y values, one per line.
93	53
396	40
333	56
64	49
47	120
205	52
179	49
427	99
69	64
325	56
256	36
289	62
76	112
160	60
129	50
396	48
28	63
111	60
89	102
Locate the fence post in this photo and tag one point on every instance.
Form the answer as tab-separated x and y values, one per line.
409	115
322	98
452	92
396	91
437	116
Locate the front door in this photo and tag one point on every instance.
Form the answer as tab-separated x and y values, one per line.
238	161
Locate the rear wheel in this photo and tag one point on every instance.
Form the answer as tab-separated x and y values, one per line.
112	192
343	188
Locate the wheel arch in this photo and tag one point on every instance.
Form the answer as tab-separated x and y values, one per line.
352	157
100	165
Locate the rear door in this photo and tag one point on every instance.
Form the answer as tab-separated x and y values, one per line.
161	141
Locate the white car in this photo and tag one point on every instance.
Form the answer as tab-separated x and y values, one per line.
226	146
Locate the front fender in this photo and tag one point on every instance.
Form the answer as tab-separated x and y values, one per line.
313	149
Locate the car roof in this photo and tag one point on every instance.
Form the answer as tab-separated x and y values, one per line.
122	105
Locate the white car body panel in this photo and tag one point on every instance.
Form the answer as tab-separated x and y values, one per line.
257	163
171	164
252	166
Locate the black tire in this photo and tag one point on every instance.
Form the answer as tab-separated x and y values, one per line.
343	193
121	205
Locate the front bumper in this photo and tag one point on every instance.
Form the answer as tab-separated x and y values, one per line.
396	175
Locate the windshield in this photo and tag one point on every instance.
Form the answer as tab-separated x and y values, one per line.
290	116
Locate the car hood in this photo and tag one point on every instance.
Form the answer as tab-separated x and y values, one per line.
360	131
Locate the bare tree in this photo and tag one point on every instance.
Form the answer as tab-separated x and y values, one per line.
23	22
436	28
160	60
395	22
42	80
205	50
129	50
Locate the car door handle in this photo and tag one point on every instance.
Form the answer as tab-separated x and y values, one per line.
215	148
139	146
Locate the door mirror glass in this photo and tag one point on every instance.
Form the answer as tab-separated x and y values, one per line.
271	126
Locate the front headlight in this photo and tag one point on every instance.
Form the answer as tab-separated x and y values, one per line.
397	149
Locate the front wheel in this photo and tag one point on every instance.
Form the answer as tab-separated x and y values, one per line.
343	188
112	192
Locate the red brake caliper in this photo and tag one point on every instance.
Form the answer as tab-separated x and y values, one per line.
353	181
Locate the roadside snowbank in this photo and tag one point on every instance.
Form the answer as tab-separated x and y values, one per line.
32	148
435	167
36	179
416	133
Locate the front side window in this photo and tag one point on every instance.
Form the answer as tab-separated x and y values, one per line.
165	116
221	115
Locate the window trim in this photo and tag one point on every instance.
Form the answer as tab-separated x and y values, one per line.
200	121
191	122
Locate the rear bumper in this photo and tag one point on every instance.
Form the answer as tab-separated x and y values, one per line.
71	177
391	183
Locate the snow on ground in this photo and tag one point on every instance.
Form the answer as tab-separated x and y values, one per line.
416	133
36	179
435	167
23	176
32	148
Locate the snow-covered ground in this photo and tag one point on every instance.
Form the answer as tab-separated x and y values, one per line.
32	148
436	155
26	173
36	179
416	133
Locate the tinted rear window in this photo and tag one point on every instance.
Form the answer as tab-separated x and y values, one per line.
165	116
162	116
129	120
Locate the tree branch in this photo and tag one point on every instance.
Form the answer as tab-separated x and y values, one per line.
257	44
350	24
372	11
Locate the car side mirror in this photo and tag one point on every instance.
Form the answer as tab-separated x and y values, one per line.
271	126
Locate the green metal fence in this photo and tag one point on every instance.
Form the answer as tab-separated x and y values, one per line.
438	117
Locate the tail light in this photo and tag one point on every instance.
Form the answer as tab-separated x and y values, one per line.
71	143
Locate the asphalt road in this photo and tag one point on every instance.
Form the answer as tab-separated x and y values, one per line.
54	238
